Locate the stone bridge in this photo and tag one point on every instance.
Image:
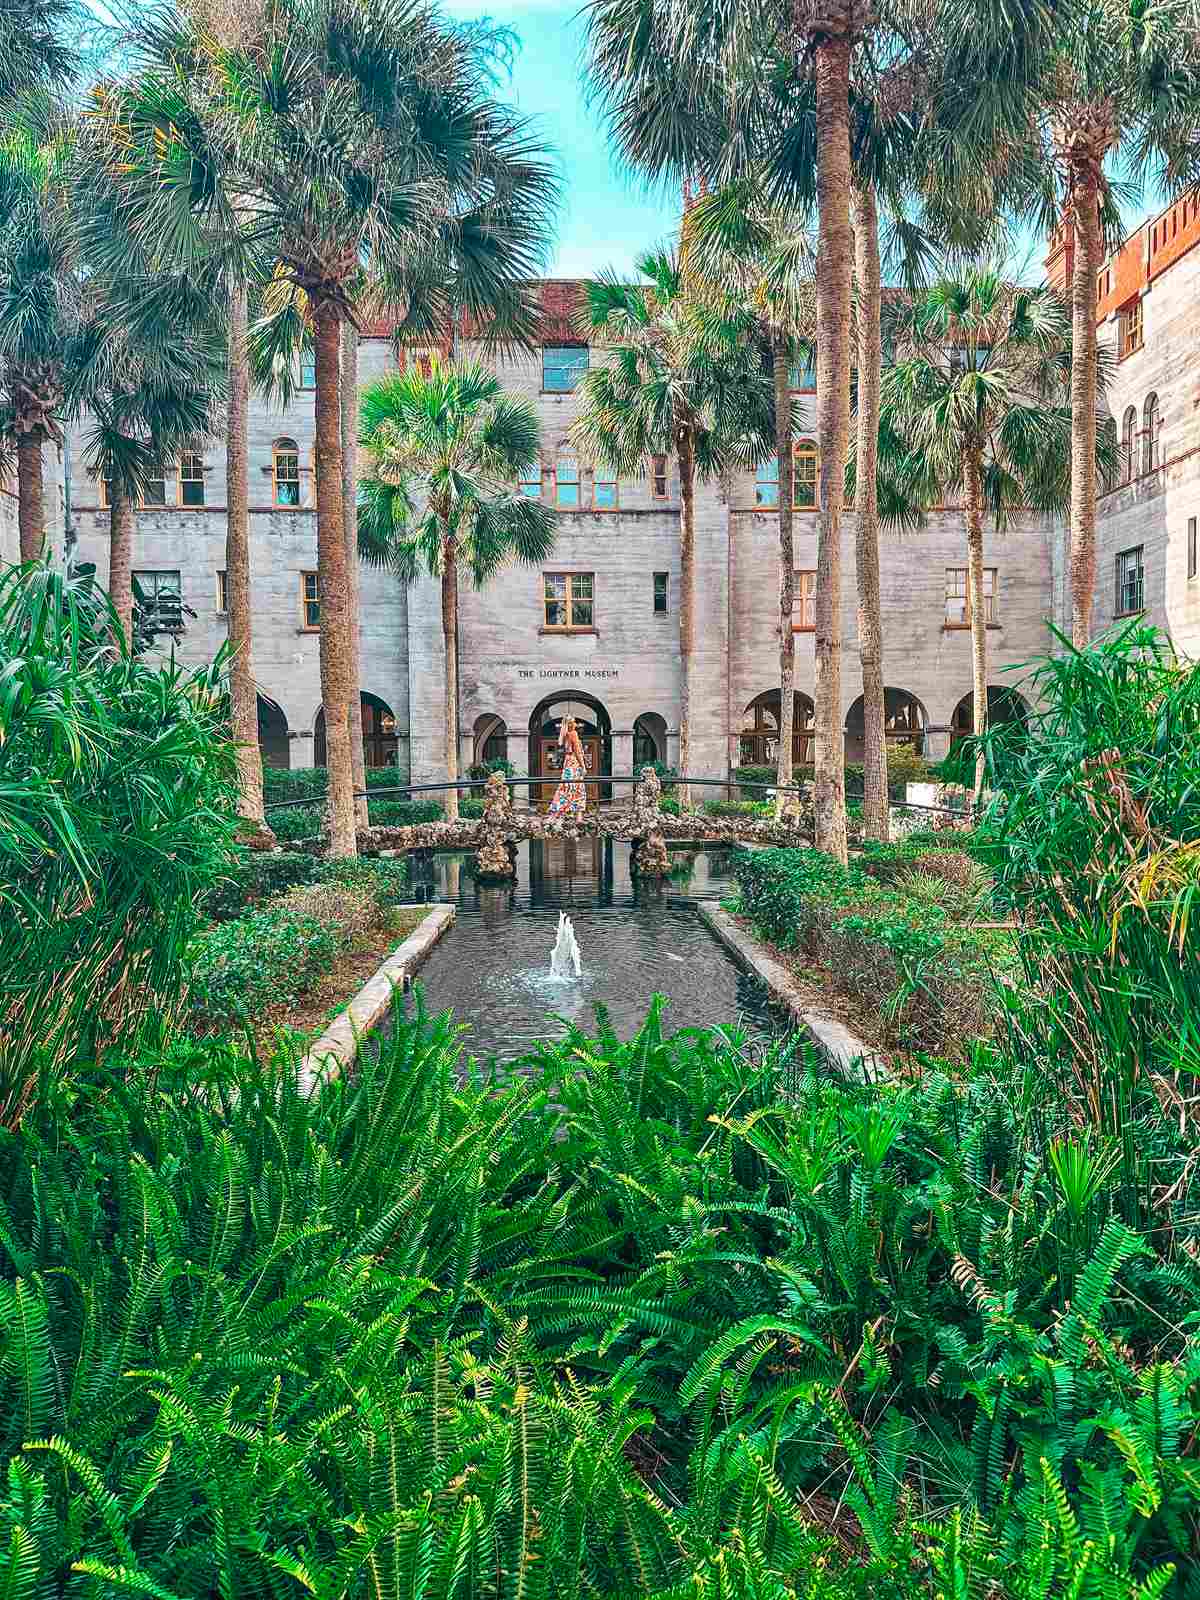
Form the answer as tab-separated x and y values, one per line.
495	835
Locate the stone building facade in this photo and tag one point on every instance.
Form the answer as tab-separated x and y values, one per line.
596	629
1147	313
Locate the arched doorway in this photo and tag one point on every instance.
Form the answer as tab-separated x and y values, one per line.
489	739
545	756
273	742
380	743
904	722
759	739
649	740
1004	705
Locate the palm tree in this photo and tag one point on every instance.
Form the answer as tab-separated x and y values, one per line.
683	381
445	455
743	253
34	47
343	142
1117	76
40	298
349	423
977	407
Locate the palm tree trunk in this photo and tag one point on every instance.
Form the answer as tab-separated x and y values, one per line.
866	541
1085	202
973	475
243	695
835	250
787	567
120	557
331	586
350	521
685	449
450	641
31	510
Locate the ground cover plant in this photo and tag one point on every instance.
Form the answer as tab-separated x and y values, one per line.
630	1322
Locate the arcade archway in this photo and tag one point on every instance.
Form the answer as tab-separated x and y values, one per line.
904	722
273	742
380	742
1004	705
758	741
545	754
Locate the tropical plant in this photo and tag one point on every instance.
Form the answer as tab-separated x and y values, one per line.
41	303
115	815
683	380
34	45
976	406
446	453
740	253
347	147
1118	78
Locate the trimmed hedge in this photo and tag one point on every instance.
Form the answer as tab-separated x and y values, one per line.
930	980
302	783
304	822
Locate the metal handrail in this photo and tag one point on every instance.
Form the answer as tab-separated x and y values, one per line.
409	789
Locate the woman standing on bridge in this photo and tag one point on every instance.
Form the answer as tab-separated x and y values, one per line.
570	798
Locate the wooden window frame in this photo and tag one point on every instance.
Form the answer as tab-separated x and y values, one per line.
665	609
534	480
1130	328
766	488
1151	434
989	600
806	449
1138	550
293	451
804	599
306	600
140	504
660	474
222	592
569	600
308	369
1193	556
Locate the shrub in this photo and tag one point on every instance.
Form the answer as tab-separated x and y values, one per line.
267	956
402	813
257	875
303	783
470	807
753	775
480	771
116	818
738	808
295	823
931	981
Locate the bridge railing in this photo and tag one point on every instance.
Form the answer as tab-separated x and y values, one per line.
407	790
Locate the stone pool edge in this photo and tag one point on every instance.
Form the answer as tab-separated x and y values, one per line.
841	1048
337	1047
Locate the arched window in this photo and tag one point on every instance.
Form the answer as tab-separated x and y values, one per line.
806	461
759	737
1128	433
285	472
766	484
1151	432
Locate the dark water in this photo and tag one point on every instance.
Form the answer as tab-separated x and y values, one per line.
493	968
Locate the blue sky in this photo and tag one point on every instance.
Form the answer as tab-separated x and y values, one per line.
606	216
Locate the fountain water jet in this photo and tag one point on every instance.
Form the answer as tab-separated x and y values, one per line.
564	958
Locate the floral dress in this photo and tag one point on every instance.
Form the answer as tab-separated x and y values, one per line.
570	798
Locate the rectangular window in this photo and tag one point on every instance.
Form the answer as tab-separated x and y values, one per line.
766	484
158	600
287	477
530	485
222	593
310	601
563	366
568	600
308	370
191	479
1191	553
658	477
1130	327
155	491
662	591
566	484
804	602
1130	581
604	492
958	598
